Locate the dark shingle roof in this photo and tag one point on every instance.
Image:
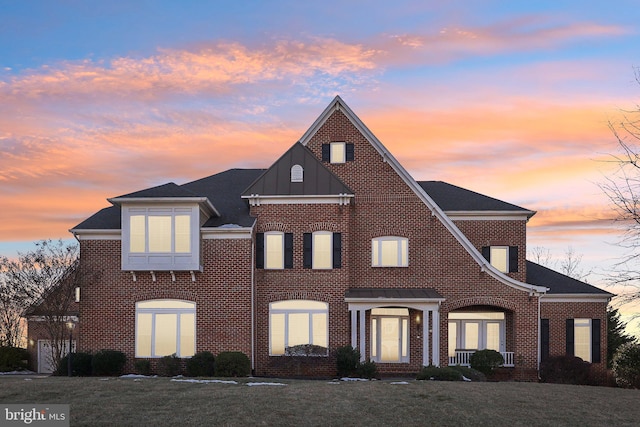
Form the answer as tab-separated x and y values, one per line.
222	189
452	198
399	293
559	283
317	181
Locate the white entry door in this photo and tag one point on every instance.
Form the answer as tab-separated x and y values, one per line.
45	359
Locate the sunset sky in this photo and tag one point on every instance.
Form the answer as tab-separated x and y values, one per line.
99	99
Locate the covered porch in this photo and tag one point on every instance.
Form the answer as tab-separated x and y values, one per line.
384	321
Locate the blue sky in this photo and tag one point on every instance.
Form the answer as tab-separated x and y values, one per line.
510	99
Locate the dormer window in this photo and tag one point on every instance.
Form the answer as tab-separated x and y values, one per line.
160	238
297	173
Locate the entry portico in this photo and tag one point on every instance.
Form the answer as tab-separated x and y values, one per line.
425	300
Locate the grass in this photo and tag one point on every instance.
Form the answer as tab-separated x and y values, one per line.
159	401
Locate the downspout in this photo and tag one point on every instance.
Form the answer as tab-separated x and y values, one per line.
539	337
253	310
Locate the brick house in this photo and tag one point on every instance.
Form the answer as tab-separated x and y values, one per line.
333	244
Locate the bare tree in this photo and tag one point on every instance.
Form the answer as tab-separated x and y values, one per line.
541	255
41	283
11	322
571	265
622	188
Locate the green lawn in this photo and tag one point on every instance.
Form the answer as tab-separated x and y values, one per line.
159	401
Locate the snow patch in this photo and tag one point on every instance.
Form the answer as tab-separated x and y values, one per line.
465	378
256	384
194	381
138	376
18	373
399	382
353	379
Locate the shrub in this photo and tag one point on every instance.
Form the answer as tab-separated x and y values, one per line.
470	373
13	359
142	366
201	365
367	369
565	370
306	350
439	374
169	366
347	360
108	362
486	361
81	365
626	365
232	364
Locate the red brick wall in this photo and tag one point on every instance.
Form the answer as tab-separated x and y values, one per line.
222	293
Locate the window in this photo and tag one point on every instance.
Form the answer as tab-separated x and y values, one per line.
338	152
503	258
390	335
583	339
274	250
476	331
389	251
160	238
297	173
322	250
297	322
165	327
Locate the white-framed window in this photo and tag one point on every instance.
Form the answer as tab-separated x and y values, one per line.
338	152
297	322
476	331
160	238
390	251
322	252
390	335
274	250
297	173
582	339
500	258
165	327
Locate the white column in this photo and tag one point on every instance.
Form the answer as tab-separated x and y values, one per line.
354	328
436	337
425	338
363	330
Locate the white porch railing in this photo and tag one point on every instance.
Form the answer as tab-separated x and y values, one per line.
462	357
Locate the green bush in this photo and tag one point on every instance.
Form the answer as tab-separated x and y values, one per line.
232	364
13	359
367	369
81	365
201	365
626	365
486	361
439	374
306	350
142	366
169	366
347	361
565	370
470	373
108	362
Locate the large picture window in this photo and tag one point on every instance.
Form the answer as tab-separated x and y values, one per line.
297	322
390	251
476	331
165	327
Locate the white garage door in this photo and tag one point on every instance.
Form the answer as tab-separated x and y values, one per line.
45	361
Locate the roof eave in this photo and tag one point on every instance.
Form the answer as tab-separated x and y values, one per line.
202	201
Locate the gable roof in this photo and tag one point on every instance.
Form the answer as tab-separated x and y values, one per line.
559	283
223	189
453	198
318	180
339	105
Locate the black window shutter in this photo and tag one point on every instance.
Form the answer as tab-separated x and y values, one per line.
349	152
326	152
570	349
595	341
513	259
337	250
486	253
307	250
544	339
288	250
260	250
